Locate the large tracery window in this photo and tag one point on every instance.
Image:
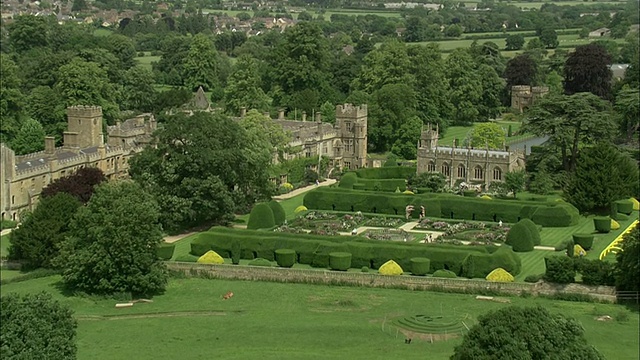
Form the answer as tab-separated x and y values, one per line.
478	173
462	172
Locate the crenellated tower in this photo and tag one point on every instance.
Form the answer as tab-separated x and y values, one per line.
351	124
85	127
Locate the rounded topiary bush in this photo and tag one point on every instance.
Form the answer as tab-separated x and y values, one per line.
420	266
444	274
285	257
260	262
519	238
210	257
602	224
186	258
364	269
300	208
165	251
278	212
624	206
347	180
500	275
340	261
261	217
533	229
584	240
390	268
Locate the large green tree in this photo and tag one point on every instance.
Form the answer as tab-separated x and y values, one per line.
603	174
409	134
35	243
201	171
627	267
466	86
587	70
485	135
30	138
36	327
264	136
571	122
391	106
525	333
27	32
111	247
521	70
243	87
201	65
11	99
627	106
385	65
138	90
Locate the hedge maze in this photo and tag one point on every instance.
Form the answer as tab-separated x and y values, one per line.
435	324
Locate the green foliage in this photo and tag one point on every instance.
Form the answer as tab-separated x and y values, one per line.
243	87
602	224
444	274
624	206
165	251
595	272
395	172
186	258
560	269
409	134
8	224
285	257
364	269
603	173
533	230
29	139
556	215
339	261
260	262
261	217
541	183
584	240
420	266
514	181
279	215
201	65
112	243
534	278
433	182
35	326
531	333
264	134
520	238
479	265
80	184
36	242
236	252
514	42
587	70
627	267
487	134
348	180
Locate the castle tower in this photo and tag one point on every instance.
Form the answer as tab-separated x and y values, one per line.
429	137
85	126
7	173
351	124
520	97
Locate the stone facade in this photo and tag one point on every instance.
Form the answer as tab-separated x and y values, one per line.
523	96
473	166
22	177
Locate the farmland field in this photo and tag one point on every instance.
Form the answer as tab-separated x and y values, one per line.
294	321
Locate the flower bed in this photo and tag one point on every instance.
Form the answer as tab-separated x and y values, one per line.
387	235
475	232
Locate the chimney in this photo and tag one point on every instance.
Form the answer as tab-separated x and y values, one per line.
243	111
304	116
318	116
49	145
281	114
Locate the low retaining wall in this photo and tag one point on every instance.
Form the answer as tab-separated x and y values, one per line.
327	277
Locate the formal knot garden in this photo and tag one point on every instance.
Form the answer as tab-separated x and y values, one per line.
371	219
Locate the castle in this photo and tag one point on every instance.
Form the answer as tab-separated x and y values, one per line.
474	166
22	177
523	96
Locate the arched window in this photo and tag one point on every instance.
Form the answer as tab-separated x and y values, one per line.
446	170
478	173
497	174
431	167
462	172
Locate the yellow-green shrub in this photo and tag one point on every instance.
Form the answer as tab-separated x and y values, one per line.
500	275
614	225
287	186
390	268
210	257
300	209
486	197
408	192
636	204
578	250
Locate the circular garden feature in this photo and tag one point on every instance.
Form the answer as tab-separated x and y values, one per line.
434	327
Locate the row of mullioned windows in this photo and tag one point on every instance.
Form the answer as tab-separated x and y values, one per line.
478	171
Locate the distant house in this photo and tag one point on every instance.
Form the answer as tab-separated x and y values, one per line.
602	32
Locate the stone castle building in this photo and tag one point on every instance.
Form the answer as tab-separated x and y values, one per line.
473	166
22	177
523	96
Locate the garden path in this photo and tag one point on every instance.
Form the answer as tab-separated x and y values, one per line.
303	190
5	232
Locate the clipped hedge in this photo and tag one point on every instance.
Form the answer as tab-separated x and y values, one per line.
388	185
444	274
624	206
420	266
165	251
584	240
210	257
314	250
533	229
520	238
340	261
395	172
279	216
186	258
285	257
260	262
500	275
560	269
614	225
602	224
390	268
443	206
347	180
261	217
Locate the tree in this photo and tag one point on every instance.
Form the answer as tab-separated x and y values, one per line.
30	138
525	333
541	183
43	103
627	267
409	134
112	243
385	65
264	135
138	90
35	326
200	66
628	110
81	184
514	42
603	174
392	105
11	99
487	134
433	181
78	5
243	87
35	243
587	70
27	32
514	181
453	30
201	171
571	122
466	86
549	38
521	70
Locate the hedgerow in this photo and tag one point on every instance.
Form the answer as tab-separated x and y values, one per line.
624	206
279	215
520	238
165	251
420	266
285	257
444	274
340	261
584	240
399	172
602	224
261	217
560	269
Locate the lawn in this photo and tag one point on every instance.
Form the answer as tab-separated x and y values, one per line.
294	321
538	5
460	132
145	61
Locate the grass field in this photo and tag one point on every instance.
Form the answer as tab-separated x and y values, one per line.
145	61
460	132
294	321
